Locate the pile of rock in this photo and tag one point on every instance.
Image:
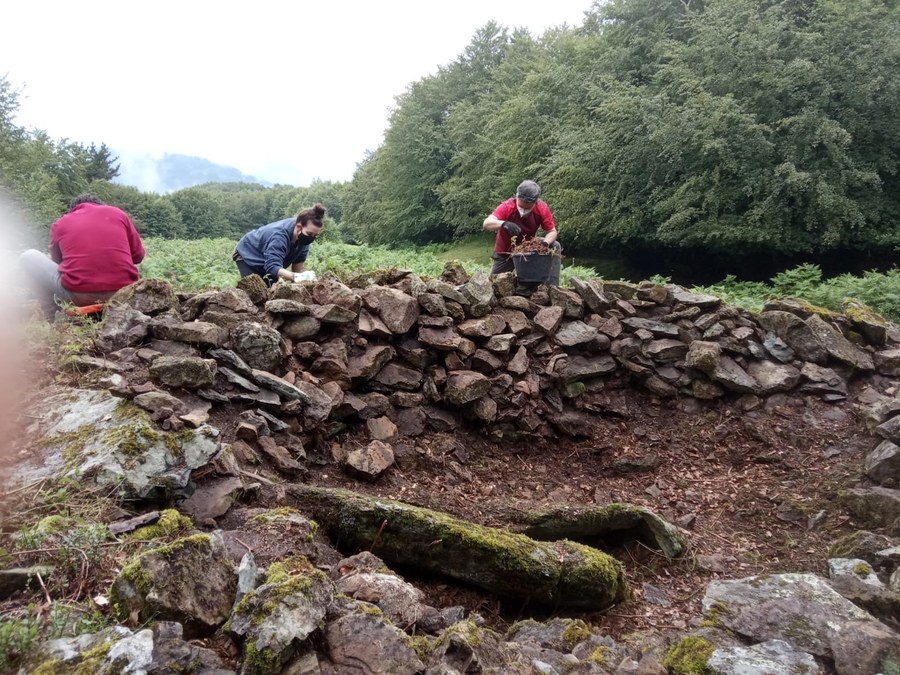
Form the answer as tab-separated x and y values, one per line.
428	354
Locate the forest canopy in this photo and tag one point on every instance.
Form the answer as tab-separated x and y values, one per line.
724	125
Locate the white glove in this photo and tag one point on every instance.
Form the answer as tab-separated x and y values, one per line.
304	276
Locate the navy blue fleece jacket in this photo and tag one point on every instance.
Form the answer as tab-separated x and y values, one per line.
268	248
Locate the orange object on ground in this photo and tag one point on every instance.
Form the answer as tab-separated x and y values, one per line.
86	310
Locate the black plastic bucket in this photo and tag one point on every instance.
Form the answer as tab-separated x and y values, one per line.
532	268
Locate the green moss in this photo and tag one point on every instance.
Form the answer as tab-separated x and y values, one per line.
71	442
48	667
276	573
260	661
599	655
890	664
859	312
131	578
595	569
90	661
801	630
131	440
369	608
577	631
689	656
421	645
284	517
846	546
467	630
200	541
862	569
293	576
126	410
171	524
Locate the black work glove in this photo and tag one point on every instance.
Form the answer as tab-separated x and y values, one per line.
513	229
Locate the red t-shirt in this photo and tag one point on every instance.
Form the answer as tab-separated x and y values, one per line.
539	218
97	249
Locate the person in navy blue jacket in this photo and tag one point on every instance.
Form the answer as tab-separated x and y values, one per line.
278	250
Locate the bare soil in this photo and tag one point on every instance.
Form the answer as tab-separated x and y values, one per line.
755	492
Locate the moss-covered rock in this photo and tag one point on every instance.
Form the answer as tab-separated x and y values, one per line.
93	437
148	296
503	562
192	580
871	325
689	656
171	525
589	524
281	613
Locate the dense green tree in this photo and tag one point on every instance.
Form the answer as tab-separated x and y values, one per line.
100	164
201	212
728	126
152	215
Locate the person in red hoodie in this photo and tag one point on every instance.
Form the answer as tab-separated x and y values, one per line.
518	219
94	250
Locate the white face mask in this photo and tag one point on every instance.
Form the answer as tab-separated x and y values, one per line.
523	212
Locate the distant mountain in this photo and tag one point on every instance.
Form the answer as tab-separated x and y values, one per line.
174	172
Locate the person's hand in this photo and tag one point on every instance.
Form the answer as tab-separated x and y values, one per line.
510	227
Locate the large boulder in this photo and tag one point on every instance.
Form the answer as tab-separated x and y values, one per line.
464	386
773	377
122	326
838	347
805	612
192	580
148	296
103	440
366	637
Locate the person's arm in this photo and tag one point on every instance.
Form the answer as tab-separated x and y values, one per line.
134	241
548	226
492	223
53	248
297	267
276	253
496	221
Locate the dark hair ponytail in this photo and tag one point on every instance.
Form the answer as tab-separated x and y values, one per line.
313	214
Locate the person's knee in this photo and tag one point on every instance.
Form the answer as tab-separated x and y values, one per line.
31	259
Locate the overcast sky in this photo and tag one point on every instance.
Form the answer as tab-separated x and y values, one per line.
285	91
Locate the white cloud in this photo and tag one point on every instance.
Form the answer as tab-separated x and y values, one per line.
288	92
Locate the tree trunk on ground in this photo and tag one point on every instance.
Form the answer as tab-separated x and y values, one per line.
508	564
611	522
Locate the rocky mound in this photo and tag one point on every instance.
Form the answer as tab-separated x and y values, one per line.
244	396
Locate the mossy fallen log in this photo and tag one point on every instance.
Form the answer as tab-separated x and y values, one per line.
562	573
593	523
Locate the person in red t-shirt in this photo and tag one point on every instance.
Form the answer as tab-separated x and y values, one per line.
94	250
518	219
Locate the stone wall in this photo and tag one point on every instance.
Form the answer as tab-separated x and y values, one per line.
430	354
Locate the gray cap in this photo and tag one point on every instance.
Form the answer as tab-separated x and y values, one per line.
528	190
